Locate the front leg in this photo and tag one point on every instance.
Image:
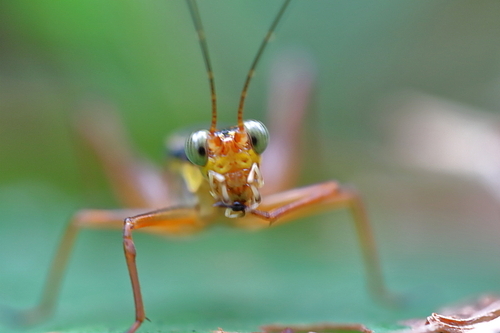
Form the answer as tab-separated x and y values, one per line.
290	205
177	220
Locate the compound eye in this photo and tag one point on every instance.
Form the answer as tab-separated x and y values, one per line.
258	134
196	147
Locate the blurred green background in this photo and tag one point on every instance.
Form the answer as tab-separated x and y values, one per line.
436	231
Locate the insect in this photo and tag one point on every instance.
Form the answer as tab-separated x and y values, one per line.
222	181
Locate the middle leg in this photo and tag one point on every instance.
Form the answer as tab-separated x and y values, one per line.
290	205
83	219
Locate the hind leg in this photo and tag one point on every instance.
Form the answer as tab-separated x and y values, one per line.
292	81
136	182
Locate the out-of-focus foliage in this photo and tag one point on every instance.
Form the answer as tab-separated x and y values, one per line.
435	231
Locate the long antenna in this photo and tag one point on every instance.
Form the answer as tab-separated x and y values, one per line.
195	15
251	72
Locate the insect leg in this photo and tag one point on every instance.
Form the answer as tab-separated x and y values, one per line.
301	202
108	219
188	221
292	81
137	183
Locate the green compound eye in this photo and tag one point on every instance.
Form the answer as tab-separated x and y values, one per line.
196	148
258	135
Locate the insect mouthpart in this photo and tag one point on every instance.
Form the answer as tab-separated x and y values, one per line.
236	209
236	191
235	206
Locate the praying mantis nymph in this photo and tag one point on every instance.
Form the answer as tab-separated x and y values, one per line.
222	178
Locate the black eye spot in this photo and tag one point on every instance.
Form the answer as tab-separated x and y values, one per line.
202	151
254	140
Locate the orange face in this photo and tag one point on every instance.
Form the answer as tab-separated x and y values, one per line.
233	170
231	160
